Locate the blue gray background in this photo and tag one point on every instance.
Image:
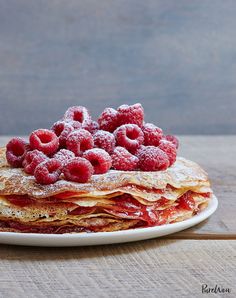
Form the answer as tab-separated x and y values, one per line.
176	57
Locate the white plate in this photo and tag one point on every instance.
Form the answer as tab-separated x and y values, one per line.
82	239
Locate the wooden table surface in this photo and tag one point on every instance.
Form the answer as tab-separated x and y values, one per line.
173	266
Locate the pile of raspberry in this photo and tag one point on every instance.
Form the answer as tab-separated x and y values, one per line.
76	147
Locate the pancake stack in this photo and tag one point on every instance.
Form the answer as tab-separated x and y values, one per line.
116	200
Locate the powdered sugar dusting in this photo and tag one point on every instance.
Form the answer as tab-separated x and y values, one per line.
152	159
122	159
105	140
97	151
183	173
152	134
108	119
2	185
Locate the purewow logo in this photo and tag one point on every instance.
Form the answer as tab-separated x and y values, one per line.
216	289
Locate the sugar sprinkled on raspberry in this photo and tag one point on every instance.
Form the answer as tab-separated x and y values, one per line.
90	125
170	150
48	172
78	169
100	160
62	129
32	160
123	160
129	136
79	141
44	140
15	151
64	156
152	134
140	145
108	120
173	140
152	159
75	124
137	151
104	140
77	114
133	114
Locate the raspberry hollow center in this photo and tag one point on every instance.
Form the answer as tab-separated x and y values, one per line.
18	150
132	134
45	138
78	116
59	129
84	145
52	168
75	171
94	162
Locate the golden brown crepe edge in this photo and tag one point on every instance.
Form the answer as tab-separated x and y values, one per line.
183	174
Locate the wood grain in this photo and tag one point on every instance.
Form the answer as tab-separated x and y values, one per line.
216	154
154	268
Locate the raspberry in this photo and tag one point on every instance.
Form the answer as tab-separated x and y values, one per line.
108	120
64	156
173	140
136	152
152	159
44	140
129	136
104	140
74	124
152	134
77	115
122	159
78	169
32	160
91	126
79	141
62	129
16	150
100	160
48	171
131	114
170	150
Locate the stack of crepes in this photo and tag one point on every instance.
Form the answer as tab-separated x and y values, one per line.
113	201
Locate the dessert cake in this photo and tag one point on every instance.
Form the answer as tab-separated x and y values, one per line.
86	176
